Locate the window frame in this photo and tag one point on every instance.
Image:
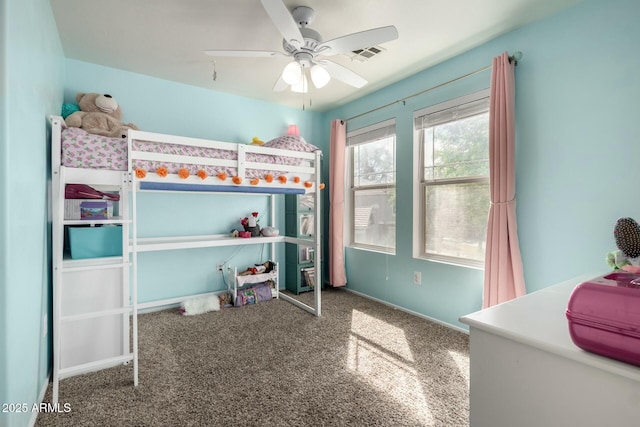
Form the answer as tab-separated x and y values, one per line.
420	184
358	135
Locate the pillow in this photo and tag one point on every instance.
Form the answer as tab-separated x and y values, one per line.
291	142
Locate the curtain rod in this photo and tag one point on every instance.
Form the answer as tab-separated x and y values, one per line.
517	56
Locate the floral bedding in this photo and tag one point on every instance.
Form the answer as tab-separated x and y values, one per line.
84	150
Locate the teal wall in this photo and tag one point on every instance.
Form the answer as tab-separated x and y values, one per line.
577	92
32	67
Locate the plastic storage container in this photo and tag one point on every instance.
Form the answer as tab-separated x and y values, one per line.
604	316
95	242
72	208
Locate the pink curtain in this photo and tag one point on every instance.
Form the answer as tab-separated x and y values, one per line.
337	275
503	275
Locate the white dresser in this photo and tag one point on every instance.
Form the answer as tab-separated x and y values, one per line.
526	371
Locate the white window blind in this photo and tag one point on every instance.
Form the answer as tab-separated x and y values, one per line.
372	175
372	133
452	185
427	117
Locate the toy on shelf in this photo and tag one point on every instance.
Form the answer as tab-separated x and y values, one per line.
266	267
250	224
269	231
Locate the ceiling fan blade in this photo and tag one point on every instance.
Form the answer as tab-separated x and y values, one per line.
244	53
360	40
280	85
343	74
283	21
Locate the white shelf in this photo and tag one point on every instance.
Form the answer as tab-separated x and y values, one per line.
92	222
150	244
305	241
69	265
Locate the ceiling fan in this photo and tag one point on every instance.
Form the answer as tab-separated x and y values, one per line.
308	50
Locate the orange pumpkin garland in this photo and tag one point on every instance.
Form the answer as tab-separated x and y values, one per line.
282	179
222	176
183	173
162	171
237	180
141	173
296	179
254	181
268	177
202	174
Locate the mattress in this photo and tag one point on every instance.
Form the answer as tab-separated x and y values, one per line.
81	149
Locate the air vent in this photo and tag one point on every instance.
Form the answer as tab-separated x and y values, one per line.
363	55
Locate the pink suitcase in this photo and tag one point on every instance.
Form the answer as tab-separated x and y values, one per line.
604	316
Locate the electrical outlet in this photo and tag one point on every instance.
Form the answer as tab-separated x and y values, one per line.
221	267
417	278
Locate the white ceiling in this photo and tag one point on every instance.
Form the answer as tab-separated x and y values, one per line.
166	38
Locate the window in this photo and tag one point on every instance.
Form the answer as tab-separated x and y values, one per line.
452	196
372	182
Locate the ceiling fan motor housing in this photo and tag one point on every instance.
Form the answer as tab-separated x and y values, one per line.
311	41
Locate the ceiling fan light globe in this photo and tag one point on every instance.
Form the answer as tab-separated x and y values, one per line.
302	86
292	73
319	76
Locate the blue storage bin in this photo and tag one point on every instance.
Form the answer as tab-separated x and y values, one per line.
95	242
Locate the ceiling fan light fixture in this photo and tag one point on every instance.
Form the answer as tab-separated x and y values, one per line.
319	76
302	86
292	73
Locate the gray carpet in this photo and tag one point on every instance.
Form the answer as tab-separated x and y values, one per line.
272	364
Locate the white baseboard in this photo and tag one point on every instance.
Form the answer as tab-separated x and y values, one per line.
406	310
43	391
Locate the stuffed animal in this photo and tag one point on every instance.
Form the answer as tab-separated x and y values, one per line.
256	141
100	115
225	299
200	305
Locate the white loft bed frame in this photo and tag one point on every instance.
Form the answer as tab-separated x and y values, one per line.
212	184
62	175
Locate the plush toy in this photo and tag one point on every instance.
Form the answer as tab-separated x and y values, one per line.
200	305
225	299
100	115
256	141
69	109
627	236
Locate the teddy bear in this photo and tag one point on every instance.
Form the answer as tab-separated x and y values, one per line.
100	115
